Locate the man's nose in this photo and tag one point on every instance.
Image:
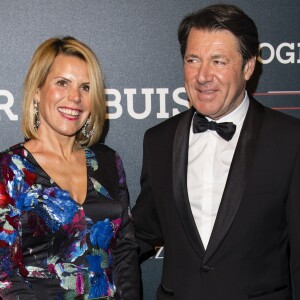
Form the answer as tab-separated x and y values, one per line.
204	73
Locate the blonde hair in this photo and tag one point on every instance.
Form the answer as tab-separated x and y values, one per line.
36	76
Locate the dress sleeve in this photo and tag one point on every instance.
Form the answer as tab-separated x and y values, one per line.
125	257
12	270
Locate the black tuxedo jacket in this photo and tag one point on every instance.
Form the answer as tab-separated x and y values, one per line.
254	249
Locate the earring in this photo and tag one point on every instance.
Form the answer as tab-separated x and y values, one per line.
36	114
84	132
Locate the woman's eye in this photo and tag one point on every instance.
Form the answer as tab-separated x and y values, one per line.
62	82
86	88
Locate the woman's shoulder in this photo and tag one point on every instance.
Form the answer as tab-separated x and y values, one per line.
16	149
107	171
104	153
100	148
16	155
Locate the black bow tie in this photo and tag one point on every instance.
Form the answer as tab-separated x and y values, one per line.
225	130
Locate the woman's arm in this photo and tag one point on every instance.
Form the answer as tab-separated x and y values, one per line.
125	253
12	270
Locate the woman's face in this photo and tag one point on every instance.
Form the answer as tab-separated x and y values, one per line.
64	101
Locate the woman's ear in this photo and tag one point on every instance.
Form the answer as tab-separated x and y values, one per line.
37	95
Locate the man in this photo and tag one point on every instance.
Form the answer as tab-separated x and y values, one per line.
224	202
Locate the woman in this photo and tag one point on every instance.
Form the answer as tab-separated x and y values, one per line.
65	226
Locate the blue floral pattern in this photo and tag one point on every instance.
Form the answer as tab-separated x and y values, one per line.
50	212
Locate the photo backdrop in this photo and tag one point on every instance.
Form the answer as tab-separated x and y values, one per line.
136	43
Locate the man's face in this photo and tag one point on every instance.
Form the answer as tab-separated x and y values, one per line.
214	77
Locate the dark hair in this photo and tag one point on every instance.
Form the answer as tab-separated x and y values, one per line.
222	17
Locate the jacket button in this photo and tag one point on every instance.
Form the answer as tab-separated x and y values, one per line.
205	268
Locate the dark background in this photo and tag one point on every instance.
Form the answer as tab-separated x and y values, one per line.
136	42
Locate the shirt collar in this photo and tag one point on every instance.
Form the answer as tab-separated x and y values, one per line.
238	115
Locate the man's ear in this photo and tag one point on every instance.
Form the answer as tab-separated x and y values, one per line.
249	68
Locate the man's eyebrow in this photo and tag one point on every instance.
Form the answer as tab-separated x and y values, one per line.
191	56
220	56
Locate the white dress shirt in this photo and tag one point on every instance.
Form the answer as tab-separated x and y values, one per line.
209	160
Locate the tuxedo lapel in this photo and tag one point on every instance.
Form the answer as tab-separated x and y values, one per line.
237	177
180	161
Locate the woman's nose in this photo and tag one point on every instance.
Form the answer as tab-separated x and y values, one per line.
74	94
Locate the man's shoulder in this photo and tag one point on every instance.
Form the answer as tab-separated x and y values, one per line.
282	119
275	116
170	125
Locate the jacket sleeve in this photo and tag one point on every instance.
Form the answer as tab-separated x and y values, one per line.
293	221
146	220
125	253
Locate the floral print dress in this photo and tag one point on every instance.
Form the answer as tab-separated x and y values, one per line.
53	248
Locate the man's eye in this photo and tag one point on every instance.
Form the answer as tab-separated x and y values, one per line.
219	62
191	60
